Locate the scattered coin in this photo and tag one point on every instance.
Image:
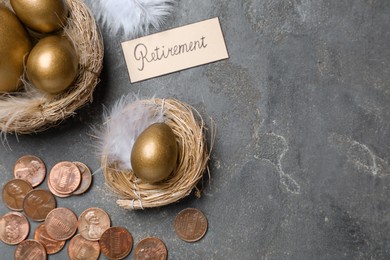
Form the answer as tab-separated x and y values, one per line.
150	248
116	243
14	228
86	178
61	224
14	192
92	223
190	225
38	203
31	169
82	249
55	192
51	245
30	249
65	177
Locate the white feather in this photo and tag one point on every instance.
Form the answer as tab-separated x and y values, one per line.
126	120
134	17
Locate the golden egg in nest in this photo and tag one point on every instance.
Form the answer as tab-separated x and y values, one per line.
14	46
43	16
52	65
154	154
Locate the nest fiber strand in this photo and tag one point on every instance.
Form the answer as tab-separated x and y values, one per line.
31	111
189	129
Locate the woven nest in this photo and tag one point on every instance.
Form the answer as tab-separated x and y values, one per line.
189	129
31	111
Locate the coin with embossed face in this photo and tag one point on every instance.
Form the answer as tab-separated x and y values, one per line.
80	248
14	192
30	168
65	177
38	203
51	245
61	224
30	249
86	178
190	225
150	248
116	243
92	223
14	228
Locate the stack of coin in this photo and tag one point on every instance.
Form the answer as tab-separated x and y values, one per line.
86	178
65	179
61	224
29	172
51	245
96	234
69	178
20	193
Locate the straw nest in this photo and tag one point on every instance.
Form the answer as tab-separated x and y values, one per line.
31	111
190	131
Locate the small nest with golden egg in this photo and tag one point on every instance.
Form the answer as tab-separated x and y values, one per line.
29	110
190	132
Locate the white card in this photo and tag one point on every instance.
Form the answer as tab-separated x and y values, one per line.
176	49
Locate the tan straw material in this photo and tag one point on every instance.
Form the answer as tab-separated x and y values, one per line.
29	110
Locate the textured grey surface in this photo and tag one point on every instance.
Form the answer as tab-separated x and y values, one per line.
300	168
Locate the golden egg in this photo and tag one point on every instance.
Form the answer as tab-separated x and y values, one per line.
154	154
52	65
14	45
44	16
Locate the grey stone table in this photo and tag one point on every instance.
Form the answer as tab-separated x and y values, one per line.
300	168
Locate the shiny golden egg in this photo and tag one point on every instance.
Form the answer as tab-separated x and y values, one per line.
43	16
154	154
14	45
52	65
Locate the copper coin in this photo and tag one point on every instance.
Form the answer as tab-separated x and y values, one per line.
92	223
81	249
31	169
150	248
65	177
190	224
86	178
55	192
14	192
116	243
30	249
38	203
61	224
14	228
51	245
